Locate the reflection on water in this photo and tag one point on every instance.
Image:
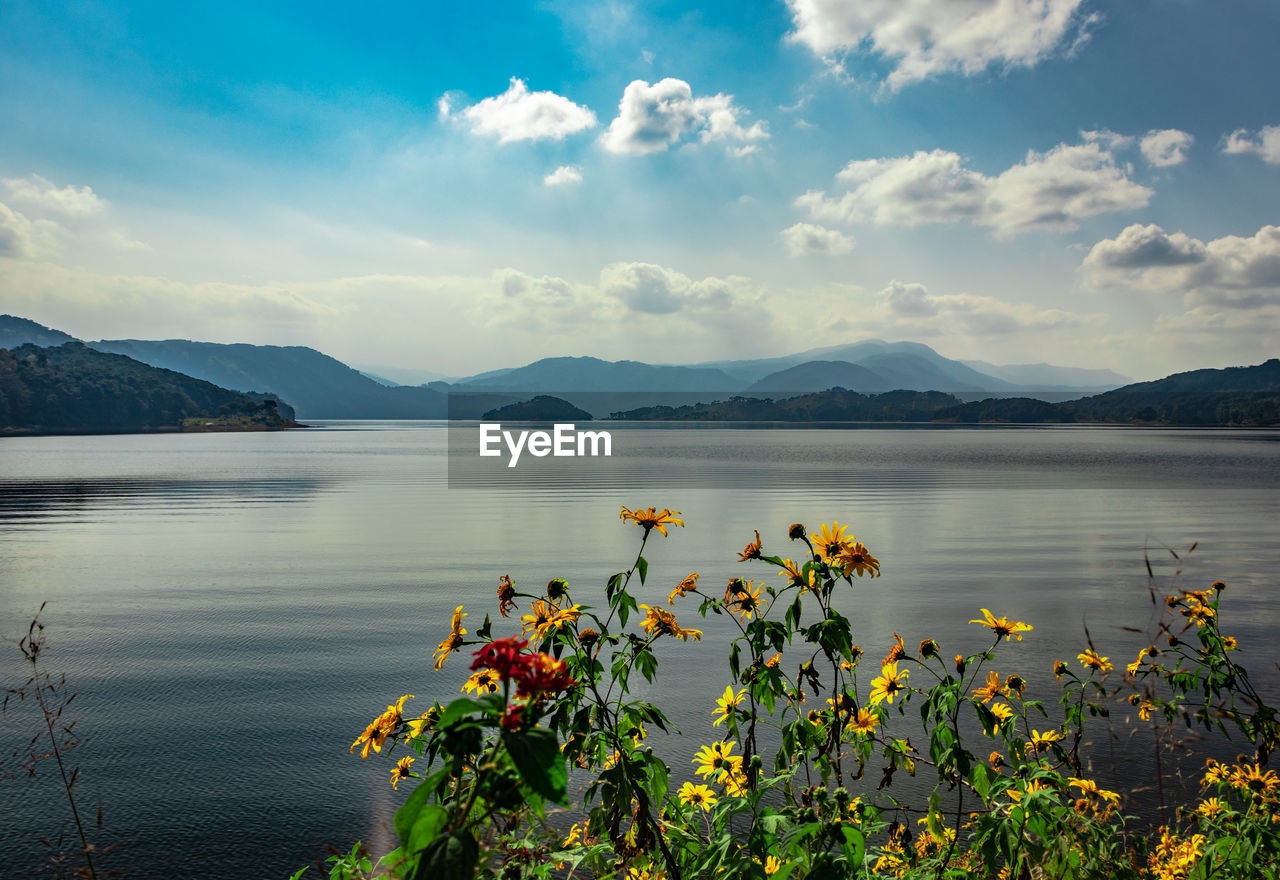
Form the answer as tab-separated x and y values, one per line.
233	608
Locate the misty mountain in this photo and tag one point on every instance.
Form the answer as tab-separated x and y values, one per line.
316	385
16	331
1050	377
593	374
821	375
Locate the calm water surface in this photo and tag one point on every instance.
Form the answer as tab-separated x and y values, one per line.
234	608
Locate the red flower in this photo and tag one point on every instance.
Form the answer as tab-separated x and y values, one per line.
505	657
544	674
513	719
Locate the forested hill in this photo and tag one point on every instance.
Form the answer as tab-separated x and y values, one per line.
73	389
1244	396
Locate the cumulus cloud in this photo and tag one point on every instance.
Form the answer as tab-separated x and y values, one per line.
657	290
1230	272
911	308
1266	143
564	176
1049	191
43	198
929	37
803	239
15	233
1166	147
653	117
1145	247
521	115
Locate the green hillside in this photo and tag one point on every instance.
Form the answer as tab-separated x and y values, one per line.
73	389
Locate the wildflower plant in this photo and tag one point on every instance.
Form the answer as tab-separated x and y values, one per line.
813	733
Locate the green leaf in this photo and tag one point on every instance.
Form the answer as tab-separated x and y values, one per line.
426	828
449	857
408	812
537	756
459	708
642	566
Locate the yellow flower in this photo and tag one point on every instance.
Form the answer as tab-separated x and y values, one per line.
864	721
896	653
485	681
1252	778
1211	808
453	641
538	620
747	601
577	835
1090	790
375	735
400	772
774	661
659	621
426	722
1091	660
890	682
726	704
1002	626
697	796
798	577
830	540
1215	772
1042	741
752	550
1059	670
1229	643
684	588
734	780
716	758
991	689
1001	711
652	518
854	559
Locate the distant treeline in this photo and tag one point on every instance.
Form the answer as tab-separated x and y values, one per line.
822	406
73	389
1220	408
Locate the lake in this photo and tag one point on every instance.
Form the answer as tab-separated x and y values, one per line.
234	608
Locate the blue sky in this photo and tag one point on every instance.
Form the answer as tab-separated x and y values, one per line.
459	187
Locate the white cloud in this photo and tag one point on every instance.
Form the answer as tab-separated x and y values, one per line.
1230	272
653	117
808	238
1049	191
15	233
928	37
1109	140
656	290
1166	147
45	199
1266	143
1145	247
910	308
563	176
520	115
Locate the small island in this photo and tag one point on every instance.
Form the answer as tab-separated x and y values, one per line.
543	408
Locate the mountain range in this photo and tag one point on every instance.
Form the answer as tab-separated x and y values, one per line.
321	387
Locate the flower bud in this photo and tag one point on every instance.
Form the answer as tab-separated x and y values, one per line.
796	532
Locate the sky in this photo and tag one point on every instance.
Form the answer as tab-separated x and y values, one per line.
457	187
